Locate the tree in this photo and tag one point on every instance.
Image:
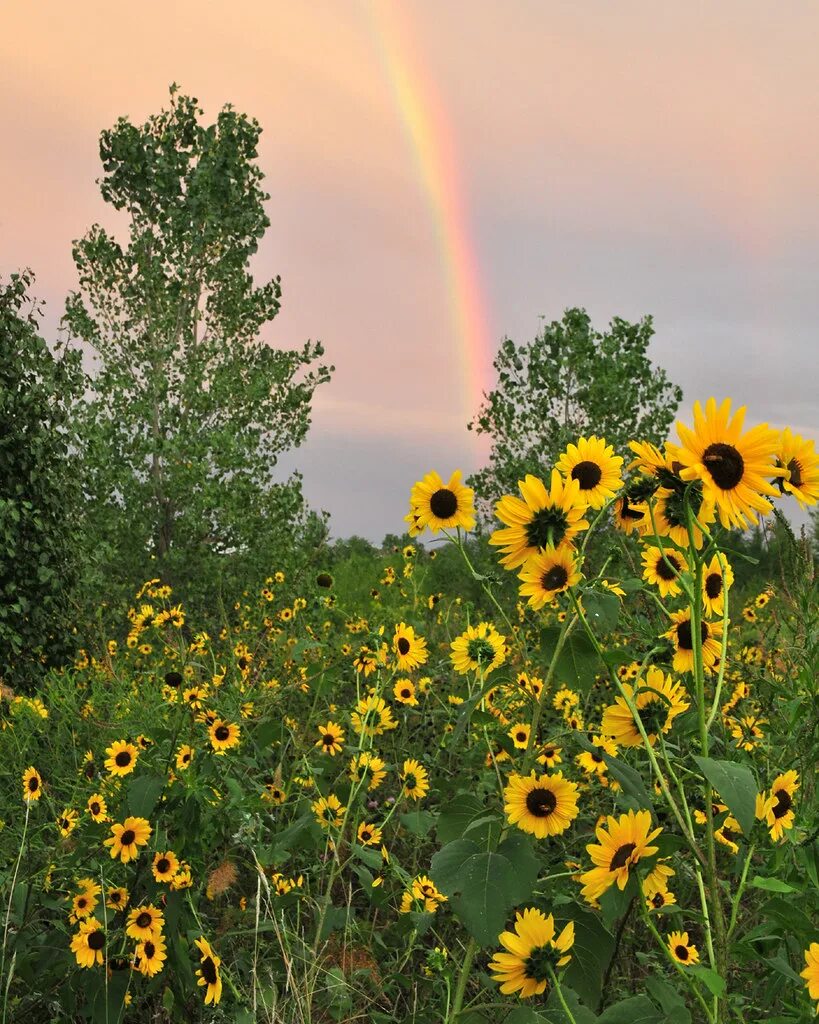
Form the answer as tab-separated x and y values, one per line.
40	538
570	381
190	409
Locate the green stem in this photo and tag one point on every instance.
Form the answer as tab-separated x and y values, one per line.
463	978
740	889
560	996
709	1015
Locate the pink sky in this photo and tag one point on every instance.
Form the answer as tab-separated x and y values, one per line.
633	158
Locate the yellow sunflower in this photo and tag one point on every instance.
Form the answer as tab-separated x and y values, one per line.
549	755
656	880
660	900
88	943
369	835
404	692
67	821
151	956
683	951
544	805
223	735
658	701
127	837
122	757
811	971
547	574
680	636
165	866
480	649
800	463
662	567
372	716
668	510
32	785
116	897
593	464
531	951
715	585
331	738
329	811
143	922
629	514
184	756
440	506
368	766
519	735
592	761
734	467
208	972
779	813
410	650
97	807
415	778
622	843
543	519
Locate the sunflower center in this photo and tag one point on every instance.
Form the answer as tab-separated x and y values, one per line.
555	578
548	752
627	511
652	715
95	808
443	504
795	470
713	585
150	949
536	965
725	465
122	759
328	739
222	733
682	952
82	903
209	971
173	679
658	900
405	693
684	637
480	651
33	784
127	837
621	856
114	897
588	474
730	834
324	579
547	526
540	802
403	645
96	940
783	803
668	568
144	920
410	782
366	835
163	865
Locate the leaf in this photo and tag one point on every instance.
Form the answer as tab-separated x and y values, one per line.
713	981
448	862
592	950
519	850
143	794
555	1014
629	779
771	884
487	889
418	822
735	785
602	610
460	810
781	965
671	1002
636	1010
789	916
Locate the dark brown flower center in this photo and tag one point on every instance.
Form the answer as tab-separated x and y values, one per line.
96	940
163	865
443	504
540	802
783	803
713	585
149	949
627	511
403	645
33	784
668	568
222	733
725	465
658	900
682	952
588	474
95	808
209	972
123	759
621	856
127	837
684	637
144	920
555	579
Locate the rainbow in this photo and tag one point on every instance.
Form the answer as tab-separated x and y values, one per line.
430	137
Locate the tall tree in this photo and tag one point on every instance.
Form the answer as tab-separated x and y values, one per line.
190	408
570	381
40	538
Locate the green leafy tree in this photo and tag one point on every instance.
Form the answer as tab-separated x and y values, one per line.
40	535
570	381
190	409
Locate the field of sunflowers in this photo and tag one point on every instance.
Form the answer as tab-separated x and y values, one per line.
583	792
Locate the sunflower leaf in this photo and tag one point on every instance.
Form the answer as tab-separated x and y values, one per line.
629	779
735	785
143	794
635	1010
713	981
487	890
602	610
592	950
447	863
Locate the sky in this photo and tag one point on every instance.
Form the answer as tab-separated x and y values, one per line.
446	174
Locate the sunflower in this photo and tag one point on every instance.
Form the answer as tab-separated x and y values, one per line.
658	701
223	735
662	567
331	738
660	900
97	807
746	731
544	805
684	953
532	951
800	463
565	699
67	821
83	905
122	757
681	638
184	756
329	811
88	943
151	956
116	898
728	833
368	766
811	971
404	692
593	464
440	506
548	574
668	509
623	843
629	514
480	649
656	880
519	735
143	922
415	778
410	650
734	467
779	813
424	889
549	755
372	716
32	785
125	838
543	519
165	866
715	585
369	835
208	972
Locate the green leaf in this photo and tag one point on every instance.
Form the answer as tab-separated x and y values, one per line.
555	1014
418	822
630	780
519	850
143	794
487	887
447	864
602	610
636	1010
713	981
670	1000
459	811
771	884
578	663
592	950
735	785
